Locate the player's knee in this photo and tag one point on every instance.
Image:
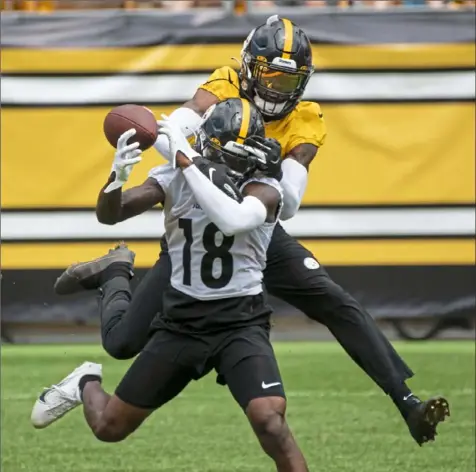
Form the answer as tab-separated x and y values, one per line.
110	430
340	303
120	351
267	417
330	298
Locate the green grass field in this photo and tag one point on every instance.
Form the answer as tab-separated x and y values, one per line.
341	420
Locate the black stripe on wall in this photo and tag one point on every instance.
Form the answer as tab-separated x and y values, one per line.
385	290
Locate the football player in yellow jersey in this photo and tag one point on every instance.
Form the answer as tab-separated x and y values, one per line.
276	64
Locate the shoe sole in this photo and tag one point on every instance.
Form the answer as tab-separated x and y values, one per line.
437	410
69	281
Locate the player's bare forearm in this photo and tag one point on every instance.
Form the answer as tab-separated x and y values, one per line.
108	206
304	154
117	206
201	101
182	160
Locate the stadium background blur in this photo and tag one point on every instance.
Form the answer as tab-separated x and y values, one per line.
389	211
389	207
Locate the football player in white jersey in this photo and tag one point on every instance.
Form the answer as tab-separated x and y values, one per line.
276	66
215	312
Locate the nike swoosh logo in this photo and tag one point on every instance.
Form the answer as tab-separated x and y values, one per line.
265	385
210	173
43	395
407	397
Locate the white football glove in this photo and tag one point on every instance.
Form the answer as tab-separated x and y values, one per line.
177	140
125	158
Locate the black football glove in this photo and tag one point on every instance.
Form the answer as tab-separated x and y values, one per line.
217	174
269	160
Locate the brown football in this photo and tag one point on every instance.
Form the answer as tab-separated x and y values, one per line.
125	117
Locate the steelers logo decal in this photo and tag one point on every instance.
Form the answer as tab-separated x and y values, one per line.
311	263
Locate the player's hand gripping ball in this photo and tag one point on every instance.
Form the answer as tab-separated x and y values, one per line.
125	117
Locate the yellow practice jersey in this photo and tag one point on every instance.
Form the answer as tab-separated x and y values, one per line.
304	125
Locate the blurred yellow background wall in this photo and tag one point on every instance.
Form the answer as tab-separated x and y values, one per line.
379	151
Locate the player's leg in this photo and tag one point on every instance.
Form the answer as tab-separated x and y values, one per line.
266	410
248	366
293	275
125	318
150	382
110	418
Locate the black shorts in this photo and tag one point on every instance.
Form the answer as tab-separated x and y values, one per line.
243	358
194	337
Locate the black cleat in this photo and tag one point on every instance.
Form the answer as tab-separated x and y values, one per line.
425	416
86	275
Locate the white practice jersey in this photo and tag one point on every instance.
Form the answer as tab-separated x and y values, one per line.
206	264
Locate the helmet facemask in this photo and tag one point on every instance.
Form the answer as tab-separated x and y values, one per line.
274	88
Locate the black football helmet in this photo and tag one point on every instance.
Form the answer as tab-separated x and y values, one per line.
226	128
276	65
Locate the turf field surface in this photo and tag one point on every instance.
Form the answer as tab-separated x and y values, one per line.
341	420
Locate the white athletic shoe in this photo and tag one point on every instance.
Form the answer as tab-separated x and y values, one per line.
59	399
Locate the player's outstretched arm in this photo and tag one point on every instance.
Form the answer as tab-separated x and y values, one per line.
113	205
117	206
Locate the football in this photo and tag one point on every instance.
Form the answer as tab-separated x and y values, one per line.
125	117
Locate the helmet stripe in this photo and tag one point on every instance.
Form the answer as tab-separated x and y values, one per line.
245	121
288	38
